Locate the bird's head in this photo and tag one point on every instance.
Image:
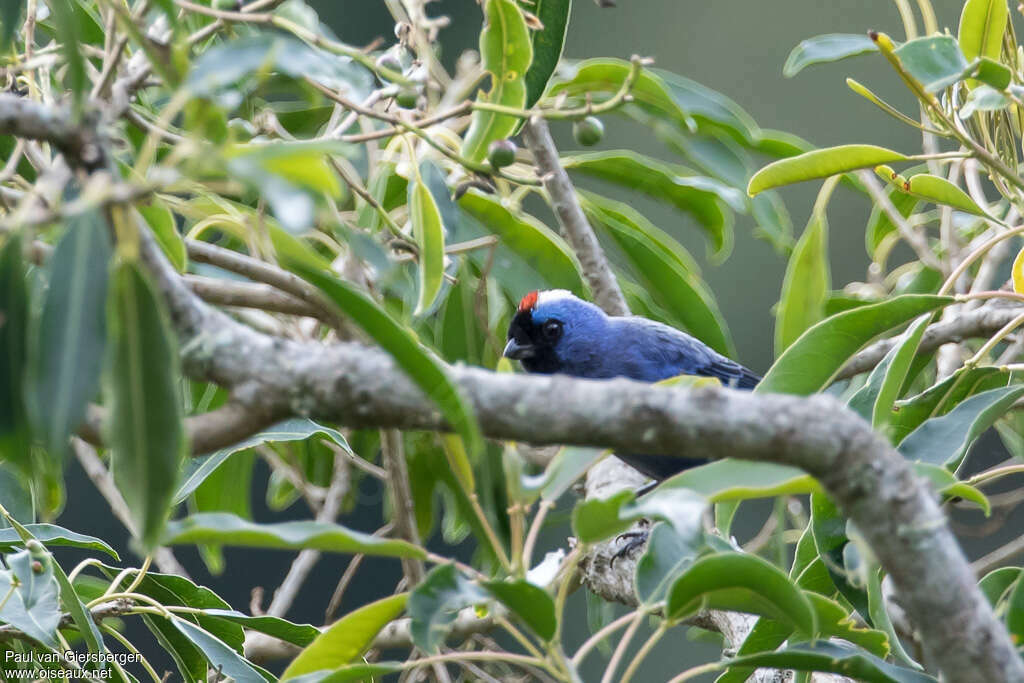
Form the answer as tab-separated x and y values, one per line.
554	331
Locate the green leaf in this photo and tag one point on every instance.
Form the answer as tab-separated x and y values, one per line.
223	658
10	19
997	582
348	638
295	429
356	672
435	603
666	269
669	552
598	518
565	468
1015	612
725	480
940	191
706	199
68	352
528	250
422	367
532	604
879	613
300	635
944	440
828	528
506	54
991	73
51	535
811	362
70	38
547	45
936	62
710	108
224	65
880	225
897	364
226	529
742	582
940	398
830	47
983	98
32	606
982	24
830	657
14	431
806	284
429	235
161	221
144	420
820	163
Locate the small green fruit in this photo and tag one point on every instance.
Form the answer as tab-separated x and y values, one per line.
501	153
589	131
407	98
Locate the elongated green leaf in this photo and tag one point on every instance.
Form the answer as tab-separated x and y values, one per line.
940	191
347	638
665	268
936	61
144	422
729	479
429	234
828	528
982	24
564	469
806	283
506	53
295	429
223	658
547	45
226	529
532	604
597	519
68	352
53	535
418	363
827	656
944	440
811	362
10	18
527	249
1015	612
948	486
14	431
711	109
161	221
996	583
879	613
69	36
991	73
939	399
706	199
897	365
827	48
820	163
743	582
300	635
436	601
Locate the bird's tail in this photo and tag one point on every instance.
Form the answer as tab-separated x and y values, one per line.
747	379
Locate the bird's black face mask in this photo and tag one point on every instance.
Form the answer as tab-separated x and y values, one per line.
533	344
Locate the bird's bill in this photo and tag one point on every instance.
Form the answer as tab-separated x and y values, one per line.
517	351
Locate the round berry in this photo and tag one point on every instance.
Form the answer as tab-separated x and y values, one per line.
588	131
501	153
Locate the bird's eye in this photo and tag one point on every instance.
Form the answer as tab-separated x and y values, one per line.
552	330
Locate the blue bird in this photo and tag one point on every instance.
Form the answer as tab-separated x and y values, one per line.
555	332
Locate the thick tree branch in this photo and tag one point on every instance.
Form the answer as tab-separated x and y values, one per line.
24	118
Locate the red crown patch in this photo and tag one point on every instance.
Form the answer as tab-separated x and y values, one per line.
528	302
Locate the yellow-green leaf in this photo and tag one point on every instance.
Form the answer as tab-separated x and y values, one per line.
982	24
429	233
507	53
820	163
940	191
347	638
1018	272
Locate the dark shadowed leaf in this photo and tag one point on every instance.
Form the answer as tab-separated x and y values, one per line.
1015	612
835	658
811	362
227	529
296	634
144	420
436	601
69	35
532	604
711	109
944	440
668	553
547	45
53	535
506	54
346	639
827	48
742	582
14	431
996	583
939	399
68	352
820	163
708	200
665	268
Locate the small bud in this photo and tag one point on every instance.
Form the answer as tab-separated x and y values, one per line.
589	131
34	546
501	153
407	98
37	567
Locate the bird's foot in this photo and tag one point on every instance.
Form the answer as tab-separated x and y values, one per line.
632	541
